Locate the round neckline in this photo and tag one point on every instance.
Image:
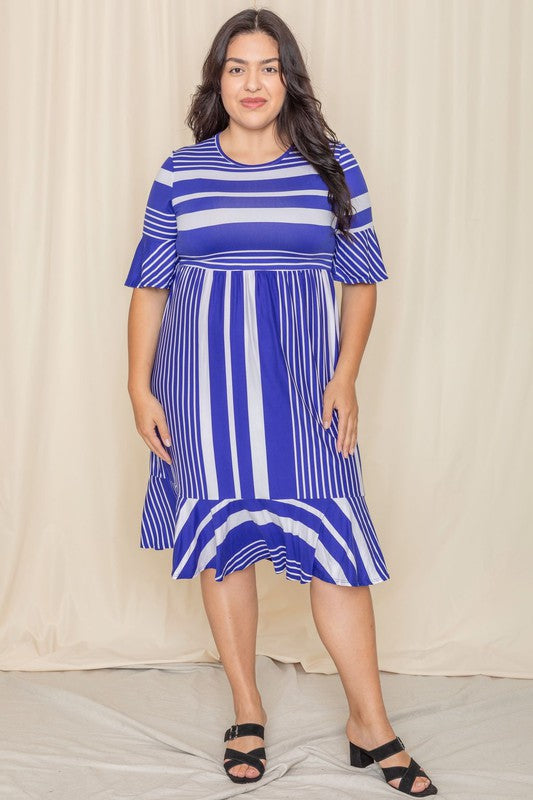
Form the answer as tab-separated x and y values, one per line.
241	163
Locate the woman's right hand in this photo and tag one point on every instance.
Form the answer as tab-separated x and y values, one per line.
149	413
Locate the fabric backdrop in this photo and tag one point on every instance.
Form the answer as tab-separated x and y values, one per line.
434	99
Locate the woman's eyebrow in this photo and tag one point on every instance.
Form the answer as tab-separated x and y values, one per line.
243	60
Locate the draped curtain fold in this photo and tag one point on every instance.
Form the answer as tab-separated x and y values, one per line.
434	100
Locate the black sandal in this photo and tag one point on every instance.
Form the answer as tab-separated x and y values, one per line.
359	757
252	757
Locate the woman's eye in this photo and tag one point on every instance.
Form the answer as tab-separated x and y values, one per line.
272	68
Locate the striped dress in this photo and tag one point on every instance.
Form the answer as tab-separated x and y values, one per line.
248	341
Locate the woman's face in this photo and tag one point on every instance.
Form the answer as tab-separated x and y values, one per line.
252	71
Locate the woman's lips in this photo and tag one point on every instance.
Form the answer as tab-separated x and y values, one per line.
253	103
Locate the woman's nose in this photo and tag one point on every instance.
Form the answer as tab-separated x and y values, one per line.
252	82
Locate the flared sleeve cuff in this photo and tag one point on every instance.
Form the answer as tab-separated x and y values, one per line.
359	259
156	255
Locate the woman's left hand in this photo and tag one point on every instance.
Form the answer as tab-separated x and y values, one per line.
340	394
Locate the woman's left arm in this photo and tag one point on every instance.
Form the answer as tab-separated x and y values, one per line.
358	307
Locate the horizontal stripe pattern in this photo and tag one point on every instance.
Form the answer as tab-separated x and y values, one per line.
205	210
155	259
332	540
248	342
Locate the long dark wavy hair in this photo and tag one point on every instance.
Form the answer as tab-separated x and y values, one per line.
300	120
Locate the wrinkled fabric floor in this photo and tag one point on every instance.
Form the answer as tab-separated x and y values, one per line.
157	733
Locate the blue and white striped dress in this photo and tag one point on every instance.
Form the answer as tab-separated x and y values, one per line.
249	339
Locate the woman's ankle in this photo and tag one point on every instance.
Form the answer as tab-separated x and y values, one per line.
249	710
375	730
247	701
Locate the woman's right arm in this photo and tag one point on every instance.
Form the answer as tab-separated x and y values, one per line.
151	274
144	323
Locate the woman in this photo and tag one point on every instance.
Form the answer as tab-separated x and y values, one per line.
243	383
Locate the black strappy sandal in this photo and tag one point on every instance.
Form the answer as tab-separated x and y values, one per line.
252	757
359	757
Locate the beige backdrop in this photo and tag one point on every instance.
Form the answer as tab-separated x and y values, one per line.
433	97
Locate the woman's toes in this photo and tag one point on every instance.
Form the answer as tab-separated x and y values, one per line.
420	784
239	771
244	771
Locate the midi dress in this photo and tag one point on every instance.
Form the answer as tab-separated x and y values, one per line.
249	339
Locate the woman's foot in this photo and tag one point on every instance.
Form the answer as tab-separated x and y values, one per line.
245	743
368	738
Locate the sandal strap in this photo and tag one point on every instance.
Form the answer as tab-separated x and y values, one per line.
388	749
391	773
237	757
406	774
409	776
257	751
245	729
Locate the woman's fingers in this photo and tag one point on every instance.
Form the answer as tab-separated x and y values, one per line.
327	411
347	432
347	436
152	440
340	396
150	419
353	440
350	437
162	427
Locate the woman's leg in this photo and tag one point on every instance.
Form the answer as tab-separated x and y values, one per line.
232	610
344	617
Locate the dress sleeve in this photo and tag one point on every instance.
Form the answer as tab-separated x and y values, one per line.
156	256
359	260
